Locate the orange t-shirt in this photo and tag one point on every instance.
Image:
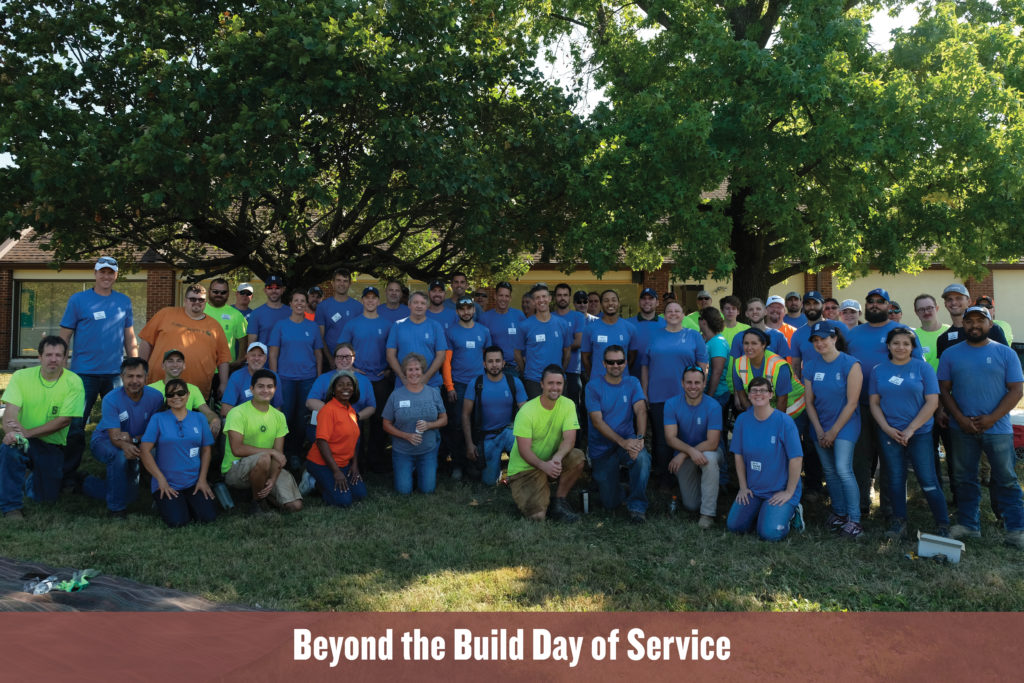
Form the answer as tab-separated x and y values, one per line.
338	425
202	341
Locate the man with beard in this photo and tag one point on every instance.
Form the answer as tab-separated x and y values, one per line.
263	318
774	310
231	320
800	345
957	299
866	343
488	411
463	362
544	340
503	322
602	333
576	322
437	310
314	295
648	303
979	383
794	312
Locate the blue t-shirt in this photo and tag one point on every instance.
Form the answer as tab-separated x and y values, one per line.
177	447
404	408
369	338
576	323
425	338
395	315
800	346
121	412
449	303
796	321
777	344
644	330
828	381
247	313
542	344
446	317
615	403
467	345
599	335
496	401
867	344
667	355
766	448
99	323
322	386
298	343
504	329
901	390
717	347
333	315
239	389
980	375
263	319
693	422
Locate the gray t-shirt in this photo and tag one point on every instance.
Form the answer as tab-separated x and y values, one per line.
404	408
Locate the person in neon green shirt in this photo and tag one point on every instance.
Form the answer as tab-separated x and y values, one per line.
703	299
40	404
930	329
231	320
174	366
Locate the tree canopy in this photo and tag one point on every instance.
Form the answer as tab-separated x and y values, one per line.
411	136
837	153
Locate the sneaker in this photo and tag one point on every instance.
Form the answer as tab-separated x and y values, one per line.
852	530
14	514
941	531
560	511
897	530
706	522
637	517
1014	538
797	522
960	531
119	515
835	522
259	507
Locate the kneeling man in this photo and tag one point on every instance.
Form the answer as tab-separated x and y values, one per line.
693	427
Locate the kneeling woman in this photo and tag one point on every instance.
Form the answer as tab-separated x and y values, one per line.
766	444
175	450
413	414
331	461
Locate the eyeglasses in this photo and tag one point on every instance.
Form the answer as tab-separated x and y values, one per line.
759	390
218	291
703	298
925	309
196	299
344	356
176	394
615	361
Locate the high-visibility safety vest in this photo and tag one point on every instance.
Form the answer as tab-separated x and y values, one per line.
773	364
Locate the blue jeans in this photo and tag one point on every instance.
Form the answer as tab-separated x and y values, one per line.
1004	488
325	482
920	452
605	472
425	467
837	462
122	483
772	521
177	512
490	450
96	386
47	461
293	397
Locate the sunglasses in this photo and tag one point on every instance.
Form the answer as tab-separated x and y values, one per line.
176	394
218	291
106	261
617	361
877	301
693	368
895	311
196	299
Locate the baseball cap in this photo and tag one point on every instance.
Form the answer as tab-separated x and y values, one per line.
436	284
955	288
315	288
244	287
816	296
257	345
106	262
794	295
173	352
985	298
878	291
703	294
647	291
978	309
274	280
850	303
823	329
580	297
774	299
371	290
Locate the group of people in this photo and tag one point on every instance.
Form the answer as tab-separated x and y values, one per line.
314	388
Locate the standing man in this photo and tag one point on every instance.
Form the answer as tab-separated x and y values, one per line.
830	309
243	295
438	310
980	382
756	318
774	310
703	300
333	314
503	323
594	304
263	319
794	311
115	443
609	330
579	302
618	422
544	340
849	313
101	322
895	311
545	430
189	330
417	334
230	319
693	428
41	402
393	309
314	295
576	322
957	299
645	322
488	412
460	284
928	332
527	303
463	362
989	303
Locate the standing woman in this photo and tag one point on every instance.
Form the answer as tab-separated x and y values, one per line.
832	386
766	446
175	450
758	361
331	460
295	356
904	394
413	414
670	350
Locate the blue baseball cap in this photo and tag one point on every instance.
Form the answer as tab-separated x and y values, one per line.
816	296
823	329
878	291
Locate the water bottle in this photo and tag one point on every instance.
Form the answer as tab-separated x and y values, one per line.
673	506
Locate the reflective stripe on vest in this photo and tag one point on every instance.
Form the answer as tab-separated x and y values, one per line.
773	364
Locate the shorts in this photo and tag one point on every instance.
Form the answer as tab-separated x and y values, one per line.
285	489
530	488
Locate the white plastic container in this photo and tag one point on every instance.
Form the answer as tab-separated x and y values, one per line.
930	545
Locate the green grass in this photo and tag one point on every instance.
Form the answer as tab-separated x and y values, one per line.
466	549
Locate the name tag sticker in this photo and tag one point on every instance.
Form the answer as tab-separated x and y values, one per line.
123	416
336	317
511	331
819	376
470	344
602	339
896	380
99	315
312	418
700	420
404	404
954	335
755	465
773	440
541	338
225	316
193	452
